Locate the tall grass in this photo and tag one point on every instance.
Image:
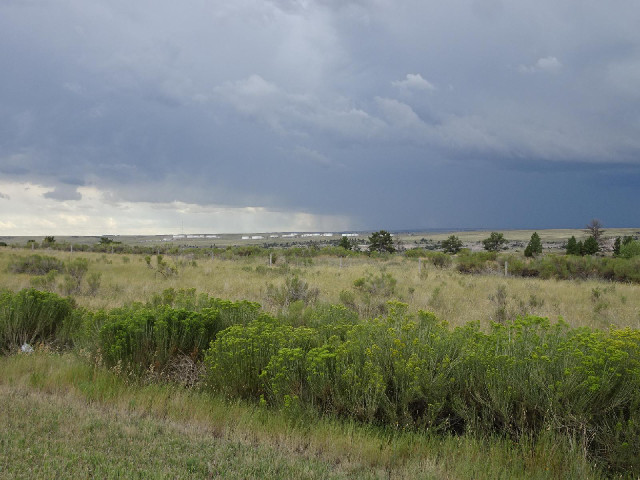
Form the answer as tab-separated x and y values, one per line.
63	417
457	297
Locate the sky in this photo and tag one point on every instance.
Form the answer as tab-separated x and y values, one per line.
156	116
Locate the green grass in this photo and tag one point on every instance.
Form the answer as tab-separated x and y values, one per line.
60	417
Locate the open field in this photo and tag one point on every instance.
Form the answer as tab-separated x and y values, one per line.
281	239
363	390
452	296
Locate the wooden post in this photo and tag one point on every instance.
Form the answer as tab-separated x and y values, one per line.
72	248
270	258
505	268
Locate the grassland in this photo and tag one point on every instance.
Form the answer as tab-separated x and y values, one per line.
453	296
65	416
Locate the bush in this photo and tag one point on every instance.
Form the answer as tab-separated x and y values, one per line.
293	290
36	265
517	381
630	249
475	262
31	316
45	282
142	339
439	259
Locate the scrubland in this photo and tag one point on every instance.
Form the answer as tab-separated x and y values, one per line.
336	367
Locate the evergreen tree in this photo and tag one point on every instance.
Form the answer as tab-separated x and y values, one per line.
591	246
572	247
345	243
381	242
452	244
616	246
495	242
534	247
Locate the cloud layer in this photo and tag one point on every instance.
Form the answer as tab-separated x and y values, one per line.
327	114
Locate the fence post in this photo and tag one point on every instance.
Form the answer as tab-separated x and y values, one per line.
505	268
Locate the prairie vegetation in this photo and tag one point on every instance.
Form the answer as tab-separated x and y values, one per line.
441	352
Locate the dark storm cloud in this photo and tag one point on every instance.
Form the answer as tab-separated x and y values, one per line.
395	114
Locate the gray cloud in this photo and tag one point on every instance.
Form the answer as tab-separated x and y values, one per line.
309	106
61	193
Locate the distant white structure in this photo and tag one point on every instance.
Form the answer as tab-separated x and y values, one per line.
257	237
245	237
290	235
350	235
213	236
327	234
273	236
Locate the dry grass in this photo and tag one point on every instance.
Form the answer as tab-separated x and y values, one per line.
454	297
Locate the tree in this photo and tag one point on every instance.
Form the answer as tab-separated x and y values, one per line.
49	239
534	247
590	246
452	244
381	242
345	243
594	228
572	247
616	246
495	242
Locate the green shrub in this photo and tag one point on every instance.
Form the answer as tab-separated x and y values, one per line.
76	270
474	262
142	339
630	249
519	380
293	290
31	316
36	265
237	359
415	253
45	282
439	259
